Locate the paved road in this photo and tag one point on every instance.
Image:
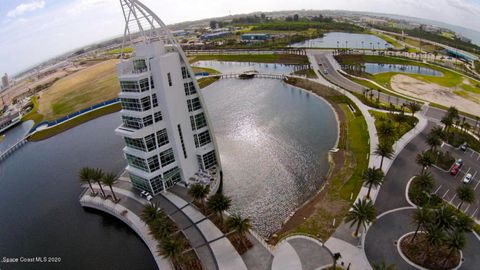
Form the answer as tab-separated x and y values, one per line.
392	192
333	75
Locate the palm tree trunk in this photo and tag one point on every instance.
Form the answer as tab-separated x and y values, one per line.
448	257
358	228
415	234
93	190
221	218
381	163
101	188
369	188
113	193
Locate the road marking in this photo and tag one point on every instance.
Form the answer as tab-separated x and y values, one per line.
466	209
478	157
473	215
439	187
472	154
445	193
454	195
478	182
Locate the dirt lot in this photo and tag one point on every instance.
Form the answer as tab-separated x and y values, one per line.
435	93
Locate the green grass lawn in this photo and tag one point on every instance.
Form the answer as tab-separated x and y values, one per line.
118	51
33	115
47	133
401	123
388	39
258	58
309	73
210	71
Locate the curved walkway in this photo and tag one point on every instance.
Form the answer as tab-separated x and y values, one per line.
212	247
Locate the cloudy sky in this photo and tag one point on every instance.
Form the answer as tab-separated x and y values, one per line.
32	31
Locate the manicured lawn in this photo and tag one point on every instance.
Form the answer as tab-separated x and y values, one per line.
204	82
388	39
210	71
310	73
117	51
401	123
47	133
80	90
259	58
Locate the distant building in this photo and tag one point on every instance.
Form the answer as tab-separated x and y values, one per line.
5	81
255	37
215	35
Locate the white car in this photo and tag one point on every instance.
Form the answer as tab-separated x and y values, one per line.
467	178
146	195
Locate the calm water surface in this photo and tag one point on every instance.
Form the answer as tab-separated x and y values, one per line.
240	67
39	210
273	141
375	68
345	40
15	134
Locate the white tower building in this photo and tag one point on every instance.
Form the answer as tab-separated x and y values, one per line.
165	123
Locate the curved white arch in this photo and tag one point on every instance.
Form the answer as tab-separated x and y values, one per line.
151	28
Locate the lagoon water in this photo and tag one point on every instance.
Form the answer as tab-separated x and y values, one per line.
274	141
374	68
344	40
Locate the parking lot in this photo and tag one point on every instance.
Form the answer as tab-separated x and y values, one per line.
447	184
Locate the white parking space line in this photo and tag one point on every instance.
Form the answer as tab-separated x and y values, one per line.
474	212
451	200
478	157
472	154
445	193
439	187
478	182
466	209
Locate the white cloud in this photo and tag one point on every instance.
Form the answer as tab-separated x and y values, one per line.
26	7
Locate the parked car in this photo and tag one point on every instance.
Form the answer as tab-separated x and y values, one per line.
146	195
467	178
456	167
464	147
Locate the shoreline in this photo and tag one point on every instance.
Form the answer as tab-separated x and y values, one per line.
335	159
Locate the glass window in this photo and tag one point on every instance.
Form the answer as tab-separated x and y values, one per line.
153	163
181	140
147	120
200	120
189	88
162	137
184	72
140	183
144	85
135	143
203	138
158	116
132	122
169	77
137	162
129	86
209	159
150	142
151	82
192	122
154	100
193	104
139	65
133	104
167	157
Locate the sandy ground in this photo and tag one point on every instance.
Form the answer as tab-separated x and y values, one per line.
435	93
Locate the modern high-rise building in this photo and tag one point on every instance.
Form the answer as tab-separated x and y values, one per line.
165	122
5	81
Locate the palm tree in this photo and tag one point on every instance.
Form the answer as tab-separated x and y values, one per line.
85	176
425	160
444	217
434	236
172	248
434	141
452	112
464	223
420	217
372	177
362	213
384	150
414	107
199	193
97	175
438	132
150	212
447	121
465	194
386	130
239	225
425	182
336	256
455	241
219	203
161	228
109	179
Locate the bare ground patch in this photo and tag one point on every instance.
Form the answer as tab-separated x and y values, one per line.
435	93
